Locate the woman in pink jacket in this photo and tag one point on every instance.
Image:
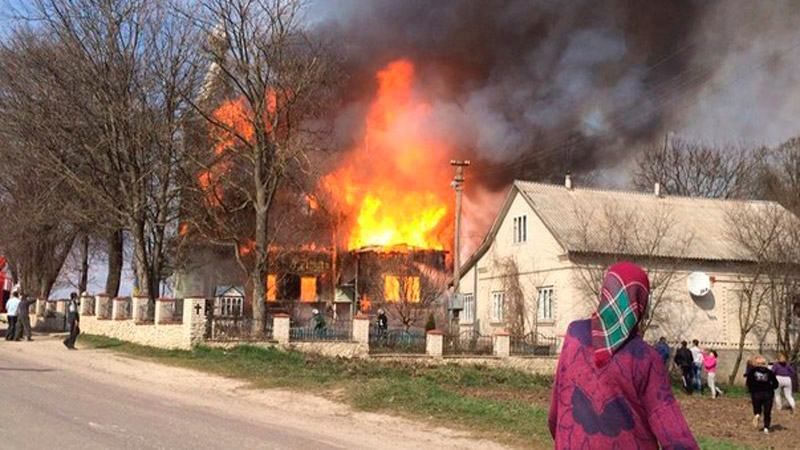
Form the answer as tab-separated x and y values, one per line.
611	389
710	364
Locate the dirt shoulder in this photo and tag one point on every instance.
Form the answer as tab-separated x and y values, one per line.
276	406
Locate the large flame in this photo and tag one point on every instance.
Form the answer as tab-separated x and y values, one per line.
395	185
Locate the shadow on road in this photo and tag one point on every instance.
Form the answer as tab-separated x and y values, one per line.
21	369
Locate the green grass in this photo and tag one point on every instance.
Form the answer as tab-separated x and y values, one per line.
714	444
493	402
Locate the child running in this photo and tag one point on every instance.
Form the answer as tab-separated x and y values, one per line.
710	364
761	383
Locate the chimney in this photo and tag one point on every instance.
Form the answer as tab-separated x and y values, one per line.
657	189
568	181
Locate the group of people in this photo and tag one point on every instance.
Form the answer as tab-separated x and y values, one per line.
19	322
613	390
767	385
18	315
692	362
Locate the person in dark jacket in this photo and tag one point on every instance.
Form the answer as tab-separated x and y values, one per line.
663	349
383	322
684	360
23	319
73	320
761	383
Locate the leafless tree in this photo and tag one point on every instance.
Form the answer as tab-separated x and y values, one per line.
761	232
696	170
648	238
116	79
266	79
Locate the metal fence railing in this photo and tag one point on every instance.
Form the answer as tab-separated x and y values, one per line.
469	342
125	308
341	331
534	344
173	310
397	341
237	329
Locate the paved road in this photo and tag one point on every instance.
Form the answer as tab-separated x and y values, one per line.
92	399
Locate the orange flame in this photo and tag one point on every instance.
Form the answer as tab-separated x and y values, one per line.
234	127
396	184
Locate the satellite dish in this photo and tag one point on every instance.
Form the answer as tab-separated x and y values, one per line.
699	284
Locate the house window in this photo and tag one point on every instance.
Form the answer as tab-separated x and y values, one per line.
468	315
498	304
272	287
520	229
545	303
229	306
396	288
308	289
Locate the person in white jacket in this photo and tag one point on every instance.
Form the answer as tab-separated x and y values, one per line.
697	357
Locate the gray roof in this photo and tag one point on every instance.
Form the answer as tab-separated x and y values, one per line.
234	291
634	223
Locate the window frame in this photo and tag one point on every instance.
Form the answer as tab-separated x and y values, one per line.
544	293
497	315
469	306
520	229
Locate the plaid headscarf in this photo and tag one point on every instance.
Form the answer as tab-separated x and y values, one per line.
623	302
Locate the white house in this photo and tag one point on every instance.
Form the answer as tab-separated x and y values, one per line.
542	260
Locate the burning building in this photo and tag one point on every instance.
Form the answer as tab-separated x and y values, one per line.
375	231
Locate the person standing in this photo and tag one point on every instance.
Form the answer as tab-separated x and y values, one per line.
761	382
784	373
12	309
710	364
611	389
73	320
383	322
697	365
685	362
663	349
23	319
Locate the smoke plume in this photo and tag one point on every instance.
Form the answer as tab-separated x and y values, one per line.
530	89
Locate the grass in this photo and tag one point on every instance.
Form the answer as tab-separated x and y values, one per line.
714	444
492	402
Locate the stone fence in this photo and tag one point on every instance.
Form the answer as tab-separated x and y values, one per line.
183	324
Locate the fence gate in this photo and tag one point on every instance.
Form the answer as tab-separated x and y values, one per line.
209	317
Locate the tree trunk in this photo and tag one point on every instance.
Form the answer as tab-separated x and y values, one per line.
258	275
84	280
115	260
141	267
738	361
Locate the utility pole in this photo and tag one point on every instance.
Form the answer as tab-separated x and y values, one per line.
458	186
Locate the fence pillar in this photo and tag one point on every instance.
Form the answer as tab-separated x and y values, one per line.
163	314
280	328
139	308
101	302
118	308
434	343
87	305
501	344
41	307
361	329
194	320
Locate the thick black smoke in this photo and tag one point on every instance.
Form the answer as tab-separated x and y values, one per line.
530	89
527	89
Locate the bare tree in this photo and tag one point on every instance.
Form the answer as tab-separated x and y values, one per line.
647	238
696	170
514	308
116	78
271	78
761	231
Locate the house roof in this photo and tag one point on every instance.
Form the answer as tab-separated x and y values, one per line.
229	291
612	222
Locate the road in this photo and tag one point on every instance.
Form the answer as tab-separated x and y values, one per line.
94	399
